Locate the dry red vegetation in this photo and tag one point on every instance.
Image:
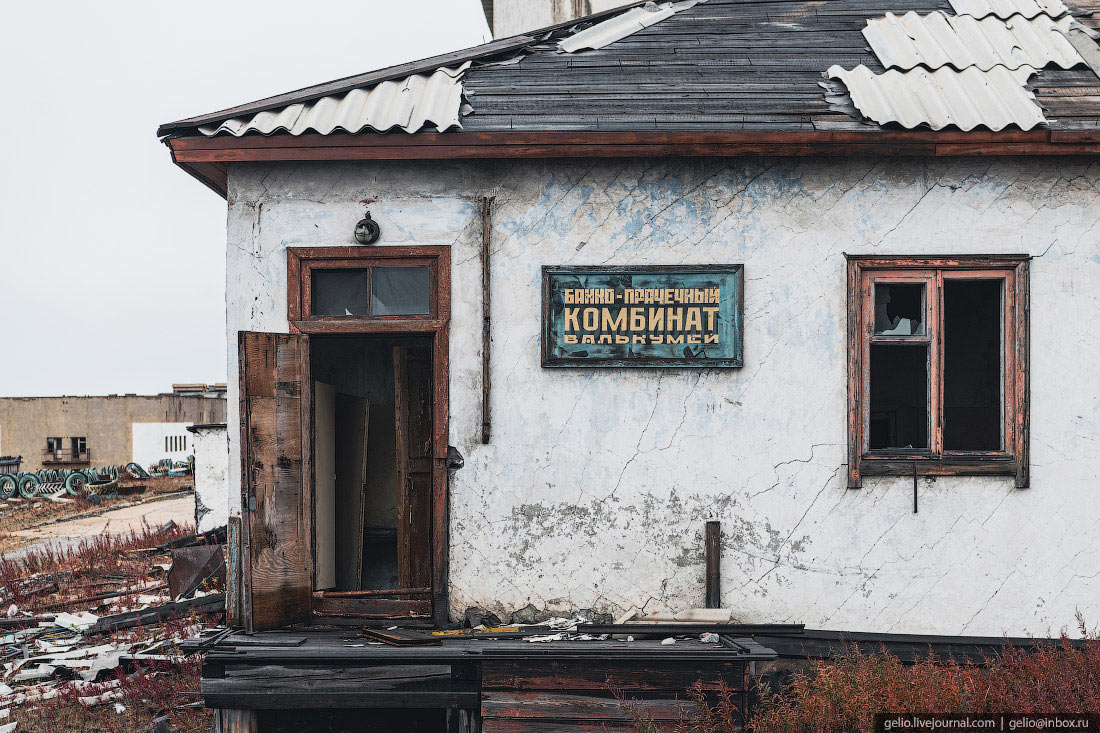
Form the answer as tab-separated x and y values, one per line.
843	695
42	579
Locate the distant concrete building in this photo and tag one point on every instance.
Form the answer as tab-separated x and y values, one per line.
72	432
512	17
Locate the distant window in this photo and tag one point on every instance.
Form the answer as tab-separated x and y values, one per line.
78	445
937	366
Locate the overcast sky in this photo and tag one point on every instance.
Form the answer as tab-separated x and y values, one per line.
112	278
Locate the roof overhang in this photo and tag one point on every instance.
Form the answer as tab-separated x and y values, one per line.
207	158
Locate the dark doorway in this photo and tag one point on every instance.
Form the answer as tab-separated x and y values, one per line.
372	447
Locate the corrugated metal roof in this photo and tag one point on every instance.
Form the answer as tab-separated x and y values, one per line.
725	65
621	26
961	41
410	103
1005	9
966	99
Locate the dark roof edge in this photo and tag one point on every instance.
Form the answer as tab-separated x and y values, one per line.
206	426
339	86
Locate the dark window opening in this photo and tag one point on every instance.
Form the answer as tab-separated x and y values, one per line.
399	291
373	291
972	381
899	310
899	397
78	445
340	293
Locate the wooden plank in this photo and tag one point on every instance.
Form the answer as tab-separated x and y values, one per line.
324	485
370	607
278	575
318	685
352	419
413	407
570	706
513	725
235	720
597	674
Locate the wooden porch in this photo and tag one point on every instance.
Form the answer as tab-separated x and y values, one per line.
322	679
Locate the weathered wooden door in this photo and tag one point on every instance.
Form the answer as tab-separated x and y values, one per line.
274	486
412	370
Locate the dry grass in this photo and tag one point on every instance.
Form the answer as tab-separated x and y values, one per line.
95	565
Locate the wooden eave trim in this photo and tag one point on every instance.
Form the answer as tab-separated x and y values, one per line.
451	145
206	158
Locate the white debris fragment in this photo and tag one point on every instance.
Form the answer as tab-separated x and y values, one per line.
5	690
545	638
120	708
40	672
13	611
9	728
709	638
669	641
622	25
75	622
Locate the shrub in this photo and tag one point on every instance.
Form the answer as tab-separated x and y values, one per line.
843	695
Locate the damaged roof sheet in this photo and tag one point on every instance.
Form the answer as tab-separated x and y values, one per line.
1007	8
621	26
964	71
721	65
939	39
411	104
966	99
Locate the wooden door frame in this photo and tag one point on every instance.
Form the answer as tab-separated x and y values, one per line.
364	605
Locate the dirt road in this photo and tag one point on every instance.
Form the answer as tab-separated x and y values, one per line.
179	509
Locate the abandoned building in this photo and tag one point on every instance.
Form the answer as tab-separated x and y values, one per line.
86	431
509	326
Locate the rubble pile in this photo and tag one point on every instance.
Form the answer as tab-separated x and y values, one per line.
99	626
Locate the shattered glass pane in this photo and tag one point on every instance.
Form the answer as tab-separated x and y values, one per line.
339	293
400	291
899	310
899	397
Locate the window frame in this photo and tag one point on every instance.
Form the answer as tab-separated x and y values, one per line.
864	272
303	261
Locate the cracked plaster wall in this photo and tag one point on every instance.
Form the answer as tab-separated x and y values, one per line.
597	483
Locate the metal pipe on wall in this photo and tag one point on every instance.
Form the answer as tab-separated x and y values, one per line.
485	205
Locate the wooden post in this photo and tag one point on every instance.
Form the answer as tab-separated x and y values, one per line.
228	720
713	544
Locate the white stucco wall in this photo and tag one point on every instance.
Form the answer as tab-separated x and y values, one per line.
597	483
149	441
211	450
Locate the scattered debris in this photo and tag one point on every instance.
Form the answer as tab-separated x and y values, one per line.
112	634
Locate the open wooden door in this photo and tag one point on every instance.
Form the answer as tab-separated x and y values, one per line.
274	480
412	370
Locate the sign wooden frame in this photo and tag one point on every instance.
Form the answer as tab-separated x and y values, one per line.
551	356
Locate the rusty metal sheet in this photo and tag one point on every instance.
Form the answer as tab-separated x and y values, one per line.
194	567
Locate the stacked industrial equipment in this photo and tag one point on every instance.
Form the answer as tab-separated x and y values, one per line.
89	635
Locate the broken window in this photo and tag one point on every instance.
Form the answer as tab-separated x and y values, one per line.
937	357
371	291
78	446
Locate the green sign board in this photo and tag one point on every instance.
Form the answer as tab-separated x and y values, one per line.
646	316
